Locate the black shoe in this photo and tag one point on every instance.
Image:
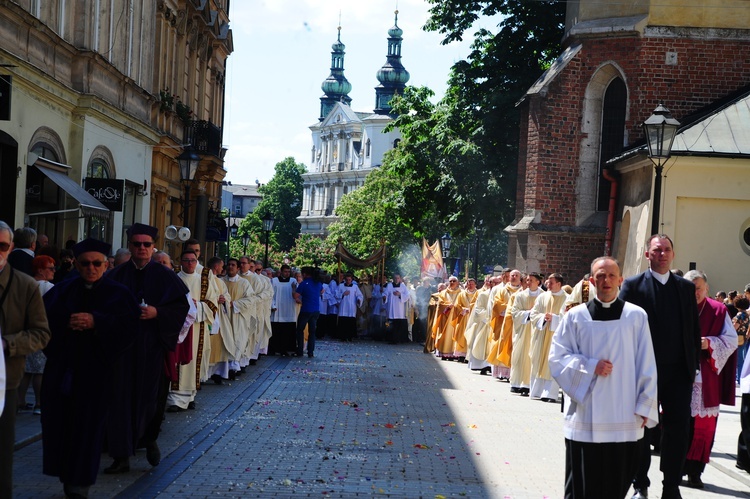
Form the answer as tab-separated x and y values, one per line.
524	392
217	379
485	371
694	482
253	362
640	493
232	375
175	408
515	389
191	405
671	493
243	370
120	465
310	355
75	491
153	454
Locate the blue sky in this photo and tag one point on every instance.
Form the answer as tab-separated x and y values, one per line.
282	55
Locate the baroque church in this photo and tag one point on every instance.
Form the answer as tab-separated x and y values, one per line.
348	144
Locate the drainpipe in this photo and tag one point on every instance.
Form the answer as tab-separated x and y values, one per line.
611	214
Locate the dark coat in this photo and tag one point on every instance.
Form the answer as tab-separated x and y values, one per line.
21	261
136	386
639	290
78	374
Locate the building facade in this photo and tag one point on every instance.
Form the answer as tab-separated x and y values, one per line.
347	145
620	61
82	134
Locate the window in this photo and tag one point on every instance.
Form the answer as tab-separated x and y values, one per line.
238	210
613	134
97	169
367	149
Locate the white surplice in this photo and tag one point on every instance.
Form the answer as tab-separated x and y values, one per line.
605	409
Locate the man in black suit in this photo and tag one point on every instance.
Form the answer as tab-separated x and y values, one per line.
23	254
669	301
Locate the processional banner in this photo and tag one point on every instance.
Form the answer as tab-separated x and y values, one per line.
432	261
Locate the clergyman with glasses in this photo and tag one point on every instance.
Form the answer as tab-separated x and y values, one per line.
140	387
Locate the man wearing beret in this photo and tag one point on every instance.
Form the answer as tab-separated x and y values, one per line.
93	322
140	388
24	330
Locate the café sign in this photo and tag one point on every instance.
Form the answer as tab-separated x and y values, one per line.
107	191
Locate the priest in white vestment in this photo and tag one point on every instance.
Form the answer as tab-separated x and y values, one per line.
603	358
236	316
520	312
283	313
478	331
545	319
204	292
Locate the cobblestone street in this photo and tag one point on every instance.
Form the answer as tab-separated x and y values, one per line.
359	419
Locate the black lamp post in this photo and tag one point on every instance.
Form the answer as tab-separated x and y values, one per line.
245	242
445	243
188	162
267	228
232	234
660	129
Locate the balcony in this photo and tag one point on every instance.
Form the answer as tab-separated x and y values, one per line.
204	136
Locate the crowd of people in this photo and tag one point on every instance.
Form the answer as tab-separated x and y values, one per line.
155	330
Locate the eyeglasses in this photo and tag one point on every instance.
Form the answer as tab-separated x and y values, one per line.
87	263
4	246
138	244
189	260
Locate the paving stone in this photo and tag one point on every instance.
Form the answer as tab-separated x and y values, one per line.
361	419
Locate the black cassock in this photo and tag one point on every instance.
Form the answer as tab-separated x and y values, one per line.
136	386
78	374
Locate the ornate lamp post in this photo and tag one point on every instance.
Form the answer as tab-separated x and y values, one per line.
232	234
660	129
267	228
188	162
245	242
445	243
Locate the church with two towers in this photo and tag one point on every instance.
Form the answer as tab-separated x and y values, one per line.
348	144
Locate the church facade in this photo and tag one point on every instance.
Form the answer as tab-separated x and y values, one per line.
347	145
619	62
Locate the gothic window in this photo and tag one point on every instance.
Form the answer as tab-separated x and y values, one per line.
612	135
367	148
396	143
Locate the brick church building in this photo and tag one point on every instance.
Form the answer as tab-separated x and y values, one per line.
620	60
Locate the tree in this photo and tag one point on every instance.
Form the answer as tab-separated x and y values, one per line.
480	113
282	198
373	213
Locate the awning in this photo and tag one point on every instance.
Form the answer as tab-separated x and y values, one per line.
88	204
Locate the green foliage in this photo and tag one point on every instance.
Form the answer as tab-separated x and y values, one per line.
314	251
282	198
373	213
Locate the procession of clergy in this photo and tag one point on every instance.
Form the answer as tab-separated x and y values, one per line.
159	334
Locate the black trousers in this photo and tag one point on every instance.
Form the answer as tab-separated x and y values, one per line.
675	392
743	443
8	442
152	430
347	329
599	470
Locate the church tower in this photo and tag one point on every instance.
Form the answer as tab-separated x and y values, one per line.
392	76
336	87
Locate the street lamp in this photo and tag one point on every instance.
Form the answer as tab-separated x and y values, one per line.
232	233
660	129
267	228
245	241
445	243
188	162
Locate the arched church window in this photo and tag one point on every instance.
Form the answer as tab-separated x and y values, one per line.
396	143
367	149
612	135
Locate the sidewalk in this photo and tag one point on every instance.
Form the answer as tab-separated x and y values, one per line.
362	419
